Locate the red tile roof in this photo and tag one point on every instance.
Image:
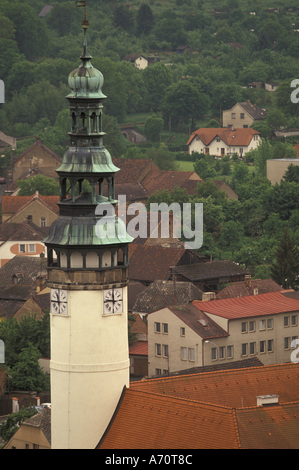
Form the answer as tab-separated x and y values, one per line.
13	204
212	410
148	263
250	306
139	348
235	137
231	387
157	180
244	288
152	421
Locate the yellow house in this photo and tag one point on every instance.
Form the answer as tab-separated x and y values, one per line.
34	433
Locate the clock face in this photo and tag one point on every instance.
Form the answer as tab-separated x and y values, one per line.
113	301
58	301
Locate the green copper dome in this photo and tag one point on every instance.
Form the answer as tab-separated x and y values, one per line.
86	81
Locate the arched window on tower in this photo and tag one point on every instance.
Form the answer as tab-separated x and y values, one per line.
106	259
83	121
74	122
92	260
93	121
76	260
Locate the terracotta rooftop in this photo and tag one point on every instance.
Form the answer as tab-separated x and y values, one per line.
210	270
235	388
213	410
12	204
148	263
26	230
158	180
244	288
198	321
154	421
132	170
38	143
231	137
160	294
250	306
140	348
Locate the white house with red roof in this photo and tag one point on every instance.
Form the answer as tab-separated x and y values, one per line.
223	141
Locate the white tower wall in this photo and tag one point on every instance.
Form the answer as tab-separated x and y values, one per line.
89	368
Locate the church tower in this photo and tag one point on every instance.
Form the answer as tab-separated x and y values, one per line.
87	253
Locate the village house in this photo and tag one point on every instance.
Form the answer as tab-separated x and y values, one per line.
36	158
242	115
39	209
34	433
23	239
223	141
206	332
277	167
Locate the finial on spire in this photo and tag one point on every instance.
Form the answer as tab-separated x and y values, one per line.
84	23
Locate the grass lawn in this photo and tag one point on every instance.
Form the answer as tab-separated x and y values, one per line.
186	166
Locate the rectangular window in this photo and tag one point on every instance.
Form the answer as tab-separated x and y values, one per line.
286	342
294	320
262	347
165	371
191	354
31	247
221	352
165	350
286	321
242	115
165	328
244	349
43	221
214	354
158	349
184	353
233	115
270	345
251	348
230	351
262	325
158	371
157	327
244	327
270	323
251	326
22	248
183	331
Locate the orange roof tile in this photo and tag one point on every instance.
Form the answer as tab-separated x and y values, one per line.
13	204
151	421
250	306
231	387
240	136
139	348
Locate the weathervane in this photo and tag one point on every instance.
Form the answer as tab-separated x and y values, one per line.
84	23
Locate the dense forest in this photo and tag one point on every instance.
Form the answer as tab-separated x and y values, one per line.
228	44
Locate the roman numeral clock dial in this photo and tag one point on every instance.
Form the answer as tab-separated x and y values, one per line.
113	301
59	301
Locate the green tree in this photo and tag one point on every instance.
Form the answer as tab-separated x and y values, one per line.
44	185
285	268
145	20
162	157
231	236
26	374
262	153
153	127
11	424
183	103
157	79
292	174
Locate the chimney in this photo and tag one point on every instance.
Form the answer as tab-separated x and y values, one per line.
267	400
37	401
208	296
39	283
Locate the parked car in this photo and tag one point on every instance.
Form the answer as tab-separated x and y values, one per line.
46	405
2	180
